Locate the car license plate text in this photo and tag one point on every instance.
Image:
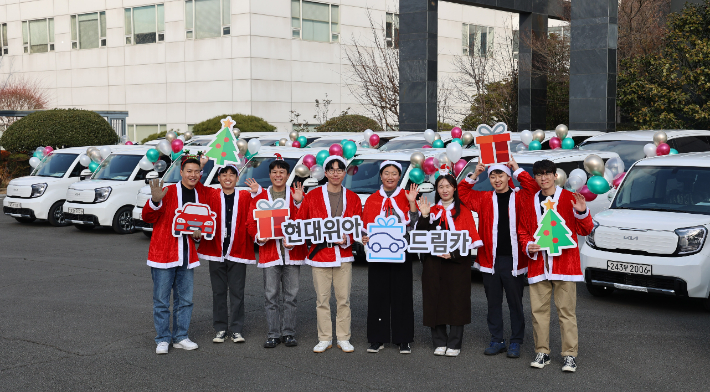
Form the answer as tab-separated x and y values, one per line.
629	268
14	205
78	211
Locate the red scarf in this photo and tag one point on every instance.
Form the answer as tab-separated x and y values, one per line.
443	221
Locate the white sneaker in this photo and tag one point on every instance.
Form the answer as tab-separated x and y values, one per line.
345	346
162	348
440	351
322	346
186	344
238	338
450	352
219	338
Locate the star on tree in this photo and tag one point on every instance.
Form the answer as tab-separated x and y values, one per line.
552	232
223	148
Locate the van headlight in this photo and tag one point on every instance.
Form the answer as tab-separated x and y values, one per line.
590	237
690	239
101	194
38	190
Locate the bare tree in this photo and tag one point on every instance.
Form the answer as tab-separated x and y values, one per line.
20	93
641	26
445	110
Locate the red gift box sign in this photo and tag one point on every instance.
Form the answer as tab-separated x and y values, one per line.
494	143
269	217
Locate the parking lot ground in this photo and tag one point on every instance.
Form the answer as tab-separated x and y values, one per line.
77	315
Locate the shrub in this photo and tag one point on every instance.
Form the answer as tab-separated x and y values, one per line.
154	136
13	166
442	126
59	128
245	123
349	123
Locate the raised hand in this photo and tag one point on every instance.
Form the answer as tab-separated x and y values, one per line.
298	192
513	165
480	168
412	192
157	192
579	203
252	184
424	206
203	161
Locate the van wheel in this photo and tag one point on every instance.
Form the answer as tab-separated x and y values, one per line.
599	291
123	220
25	220
56	215
84	227
148	233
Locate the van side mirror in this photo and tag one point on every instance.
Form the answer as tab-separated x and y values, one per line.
152	175
426	187
86	173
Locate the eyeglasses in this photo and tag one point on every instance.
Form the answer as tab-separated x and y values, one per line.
336	171
543	175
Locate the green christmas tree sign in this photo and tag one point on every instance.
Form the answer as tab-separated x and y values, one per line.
223	148
552	232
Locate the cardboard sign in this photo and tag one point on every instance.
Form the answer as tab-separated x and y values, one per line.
439	242
319	230
494	143
552	233
386	244
194	216
269	217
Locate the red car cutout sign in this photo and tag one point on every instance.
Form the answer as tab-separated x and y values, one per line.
194	216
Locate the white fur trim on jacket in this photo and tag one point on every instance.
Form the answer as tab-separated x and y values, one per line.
581	216
470	180
181	259
283	259
512	222
339	259
404	218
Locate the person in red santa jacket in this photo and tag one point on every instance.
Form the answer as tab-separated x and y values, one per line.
229	251
172	259
500	259
549	274
332	262
280	261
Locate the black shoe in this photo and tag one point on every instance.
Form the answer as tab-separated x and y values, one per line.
541	359
375	347
404	348
272	342
570	364
290	341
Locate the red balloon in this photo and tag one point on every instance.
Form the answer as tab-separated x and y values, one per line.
48	150
617	180
129	143
555	143
337	149
588	195
426	146
177	145
663	149
374	140
296	144
459	166
352	170
309	160
456	132
429	166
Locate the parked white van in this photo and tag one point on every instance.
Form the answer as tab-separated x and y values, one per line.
652	237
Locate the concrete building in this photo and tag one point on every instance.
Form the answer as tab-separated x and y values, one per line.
174	63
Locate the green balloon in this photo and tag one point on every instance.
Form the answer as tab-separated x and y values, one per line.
598	185
342	142
153	155
417	175
673	151
534	145
38	154
567	143
457	140
302	140
174	156
321	157
349	149
93	166
357	162
248	155
438	144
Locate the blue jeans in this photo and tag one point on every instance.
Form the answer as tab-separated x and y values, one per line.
178	280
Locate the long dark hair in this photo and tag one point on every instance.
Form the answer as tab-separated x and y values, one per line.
457	203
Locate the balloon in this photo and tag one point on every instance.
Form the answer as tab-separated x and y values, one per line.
426	146
438	144
417	159
349	149
430	165
437	136
365	144
293	135
454	151
181	137
456	132
170	136
459	166
352	170
93	166
561	131
588	195
48	150
34	161
561	177
145	163
248	155
374	140
88	150
659	138
164	147
467	138
457	140
618	179
84	160
343	141
555	143
309	160
443	159
673	151
534	145
574	184
521	147
580	174
526	137
649	150
318	172
129	143
616	165
176	145
433	177
321	157
38	154
609	177
152	155
303	140
160	166
336	149
174	156
283	141
296	144
366	135
302	171
598	185
236	132
242	146
594	165
539	135
188	135
253	146
95	156
429	136
568	143
663	149
416	175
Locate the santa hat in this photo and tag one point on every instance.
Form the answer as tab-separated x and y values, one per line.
221	169
278	157
393	163
334	157
505	169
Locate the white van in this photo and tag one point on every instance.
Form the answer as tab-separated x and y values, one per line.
652	237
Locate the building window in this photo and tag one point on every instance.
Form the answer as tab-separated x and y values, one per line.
207	18
88	31
138	132
312	21
477	40
392	30
3	38
37	36
145	25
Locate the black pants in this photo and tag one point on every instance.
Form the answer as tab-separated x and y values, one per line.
228	276
495	284
452	340
390	306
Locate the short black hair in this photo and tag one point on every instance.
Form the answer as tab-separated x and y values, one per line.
390	165
497	171
330	164
189	160
228	168
281	164
544	166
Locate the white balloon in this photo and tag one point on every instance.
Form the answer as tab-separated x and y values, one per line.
609	177
317	172
574	183
182	137
84	160
105	151
454	152
521	147
579	173
145	164
165	147
649	150
253	146
526	137
616	165
34	161
429	135
368	133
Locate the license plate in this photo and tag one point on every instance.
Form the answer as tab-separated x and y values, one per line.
77	211
629	268
14	205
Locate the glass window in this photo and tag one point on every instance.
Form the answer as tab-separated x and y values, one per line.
404	144
296	18
55	165
117	167
690	144
477	40
145	25
629	151
207	18
37	36
258	169
392	30
3	39
366	179
88	31
313	21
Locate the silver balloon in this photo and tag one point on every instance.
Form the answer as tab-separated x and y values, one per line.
467	138
293	135
302	171
521	147
649	150
242	146
253	146
444	159
237	132
84	160
561	131
365	144
145	164
615	165
170	136
105	151
609	177
188	135
429	135
34	162
160	166
574	184
417	159
660	137
594	165
283	141
368	132
437	136
561	177
526	137
539	135
95	156
164	147
579	173
317	172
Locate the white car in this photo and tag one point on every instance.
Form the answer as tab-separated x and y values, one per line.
413	140
578	136
652	237
359	139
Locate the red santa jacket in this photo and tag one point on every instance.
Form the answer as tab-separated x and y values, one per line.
317	205
241	247
378	202
486	206
270	251
567	265
462	222
166	251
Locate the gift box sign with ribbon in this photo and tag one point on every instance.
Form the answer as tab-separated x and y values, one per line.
269	217
386	240
494	143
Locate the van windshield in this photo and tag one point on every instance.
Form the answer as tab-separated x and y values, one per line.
629	151
404	144
117	167
665	188
55	165
364	175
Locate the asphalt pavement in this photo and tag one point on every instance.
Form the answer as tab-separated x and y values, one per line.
76	315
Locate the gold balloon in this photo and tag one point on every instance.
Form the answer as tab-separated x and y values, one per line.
660	137
467	138
417	159
594	165
293	135
283	141
302	171
561	178
539	135
236	132
437	136
188	135
242	146
170	136
561	131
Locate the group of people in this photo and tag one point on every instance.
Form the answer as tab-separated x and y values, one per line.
505	240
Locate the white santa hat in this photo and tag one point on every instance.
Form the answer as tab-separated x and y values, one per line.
393	163
334	157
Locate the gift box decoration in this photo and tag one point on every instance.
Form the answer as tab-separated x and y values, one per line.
494	143
269	216
386	241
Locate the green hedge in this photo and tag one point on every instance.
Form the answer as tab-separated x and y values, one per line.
245	123
349	123
13	166
59	128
